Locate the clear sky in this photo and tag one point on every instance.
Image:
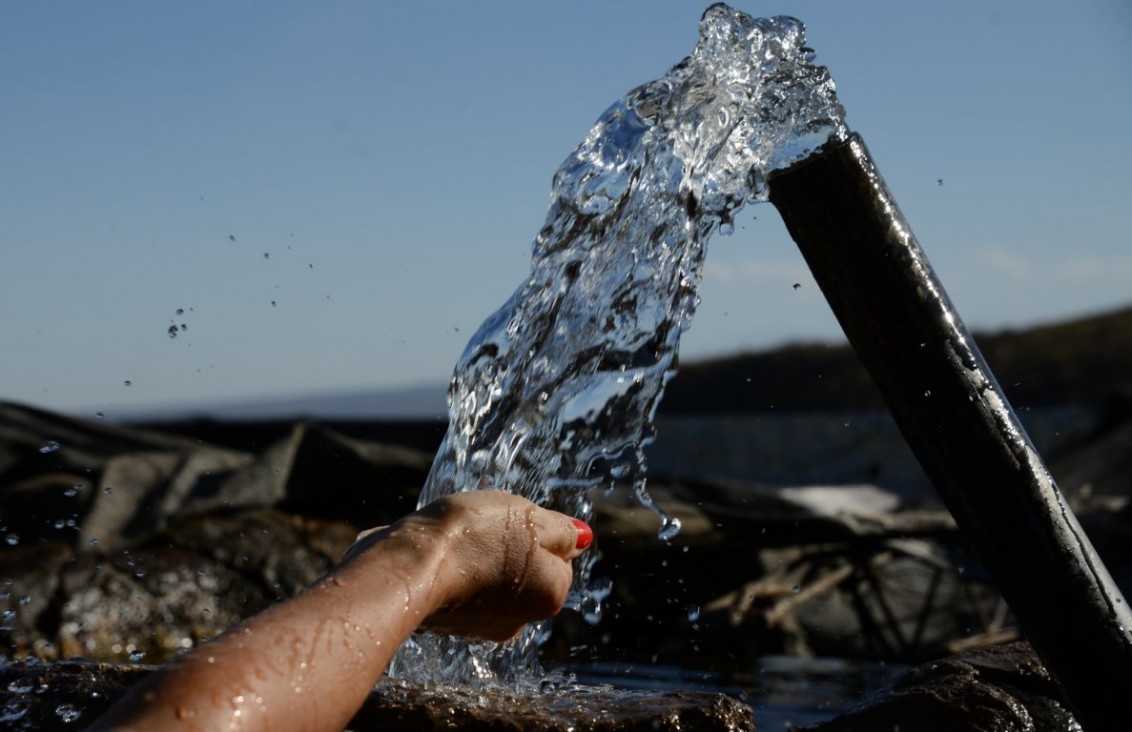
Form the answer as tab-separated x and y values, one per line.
336	194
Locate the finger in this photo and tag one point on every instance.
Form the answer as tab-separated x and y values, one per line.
562	535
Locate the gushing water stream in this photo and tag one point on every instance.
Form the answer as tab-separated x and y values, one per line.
555	394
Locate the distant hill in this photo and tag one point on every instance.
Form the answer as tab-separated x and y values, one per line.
1084	361
406	403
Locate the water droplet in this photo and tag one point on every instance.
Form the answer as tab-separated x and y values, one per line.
8	617
49	446
12	539
13	709
266	255
25	600
231	237
127	382
669	529
94	542
68	713
927	392
107	489
137	656
797	589
173	330
693	613
180	311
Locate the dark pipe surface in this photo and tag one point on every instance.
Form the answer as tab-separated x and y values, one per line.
958	423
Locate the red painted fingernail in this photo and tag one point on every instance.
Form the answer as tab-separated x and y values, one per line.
585	534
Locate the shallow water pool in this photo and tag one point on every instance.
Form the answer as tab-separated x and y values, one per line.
783	691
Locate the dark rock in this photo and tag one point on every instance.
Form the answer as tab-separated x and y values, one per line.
37	695
117	487
157	599
121	543
577	709
999	689
69	694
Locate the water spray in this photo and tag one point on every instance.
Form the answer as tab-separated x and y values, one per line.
555	394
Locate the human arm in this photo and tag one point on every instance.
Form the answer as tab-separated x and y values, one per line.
481	564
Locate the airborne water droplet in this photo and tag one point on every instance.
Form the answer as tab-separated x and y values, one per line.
669	529
49	446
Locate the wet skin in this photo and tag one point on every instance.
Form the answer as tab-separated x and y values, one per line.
480	564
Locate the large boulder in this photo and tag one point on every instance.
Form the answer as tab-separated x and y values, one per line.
999	689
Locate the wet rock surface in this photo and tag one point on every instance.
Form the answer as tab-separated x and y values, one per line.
396	706
120	544
159	598
1000	689
70	694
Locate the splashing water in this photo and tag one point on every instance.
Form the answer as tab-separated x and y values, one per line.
556	392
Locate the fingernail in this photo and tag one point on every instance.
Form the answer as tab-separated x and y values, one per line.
585	534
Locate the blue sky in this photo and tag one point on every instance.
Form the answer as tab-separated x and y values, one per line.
337	193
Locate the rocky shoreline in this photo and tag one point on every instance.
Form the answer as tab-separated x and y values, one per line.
126	545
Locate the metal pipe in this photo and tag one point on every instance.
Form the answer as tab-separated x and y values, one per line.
959	424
